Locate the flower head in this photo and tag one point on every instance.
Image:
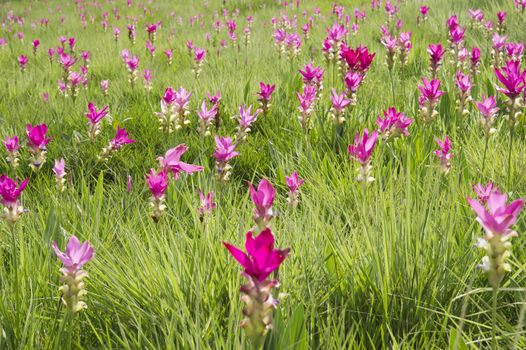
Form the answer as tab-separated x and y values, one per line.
393	124
36	136
512	78
121	138
363	146
293	182
263	198
172	162
487	107
157	183
207	203
10	190
225	149
76	254
59	168
444	153
430	91
483	191
265	91
94	115
436	52
498	217
261	258
11	144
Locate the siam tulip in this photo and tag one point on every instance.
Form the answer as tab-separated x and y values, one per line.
85	57
488	111
514	81
265	95
405	47
216	101
22	62
132	65
36	44
37	143
131	33
75	80
391	44
116	33
293	184
94	118
456	39
199	57
498	45
181	108
476	17
452	23
475	62
484	191
339	104
51	53
260	261
151	29
245	119
246	36
514	51
355	28
444	154
150	48
393	125
279	41
224	152
121	138
67	62
353	81
60	174
293	45
75	256
436	52
71	44
306	107
171	162
206	118
306	31
356	60
424	10
169	56
167	114
496	218
501	17
313	76
464	86
207	204
12	146
147	76
190	47
361	151
429	96
104	86
10	191
263	198
157	183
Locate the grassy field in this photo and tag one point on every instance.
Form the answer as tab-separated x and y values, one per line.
387	265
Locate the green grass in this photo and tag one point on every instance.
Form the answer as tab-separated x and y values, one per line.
384	267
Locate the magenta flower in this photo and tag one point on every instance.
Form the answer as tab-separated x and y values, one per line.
265	94
336	33
498	217
512	78
246	119
430	92
67	61
424	10
157	183
463	83
353	81
501	16
133	63
76	255
36	136
312	75
358	60
172	162
456	36
121	138
436	52
444	154
151	48
207	203
263	199
225	149
10	190
262	258
94	118
393	124
339	104
293	184
483	192
361	151
104	86
199	54
11	144
206	117
22	62
487	107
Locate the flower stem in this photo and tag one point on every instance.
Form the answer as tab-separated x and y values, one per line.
14	257
484	157
494	343
512	133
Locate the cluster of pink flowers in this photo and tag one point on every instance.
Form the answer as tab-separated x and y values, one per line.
393	125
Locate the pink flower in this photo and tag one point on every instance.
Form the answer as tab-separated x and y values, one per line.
265	92
94	115
476	15
463	82
393	124
246	117
501	16
487	107
59	168
444	154
498	41
225	149
215	99
207	203
483	192
121	138
452	22
67	61
22	62
436	53
262	258
363	146
132	63
358	59
181	99
76	255
36	136
172	162
150	47
336	33
430	92
11	144
312	75
35	43
424	10
498	217
10	190
339	102
456	36
157	183
205	114
389	42
199	54
512	78
293	182
262	199
353	81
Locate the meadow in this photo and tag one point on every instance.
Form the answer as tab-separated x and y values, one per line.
377	241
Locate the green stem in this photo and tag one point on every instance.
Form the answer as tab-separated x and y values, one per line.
14	256
512	133
494	344
484	158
